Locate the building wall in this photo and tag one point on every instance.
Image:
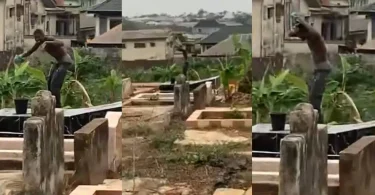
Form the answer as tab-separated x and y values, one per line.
13	25
160	52
257	30
2	25
272	27
102	24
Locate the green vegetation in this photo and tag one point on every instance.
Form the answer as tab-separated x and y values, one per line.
231	70
348	97
89	82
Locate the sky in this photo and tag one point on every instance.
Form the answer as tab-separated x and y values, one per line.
176	7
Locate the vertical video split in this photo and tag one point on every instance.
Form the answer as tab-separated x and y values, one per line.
312	97
187	97
60	93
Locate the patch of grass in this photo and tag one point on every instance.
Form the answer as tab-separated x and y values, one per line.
235	114
138	129
202	155
164	141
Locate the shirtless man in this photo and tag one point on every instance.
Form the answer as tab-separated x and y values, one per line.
57	74
319	53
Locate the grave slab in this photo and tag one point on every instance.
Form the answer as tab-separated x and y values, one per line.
213	118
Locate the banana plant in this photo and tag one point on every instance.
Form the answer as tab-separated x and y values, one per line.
112	83
228	72
338	105
72	82
165	74
277	93
72	87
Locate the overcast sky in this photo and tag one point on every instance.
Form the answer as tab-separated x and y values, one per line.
176	7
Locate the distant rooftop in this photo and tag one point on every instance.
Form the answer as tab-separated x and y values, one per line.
107	6
208	23
49	3
113	36
226	47
225	32
145	34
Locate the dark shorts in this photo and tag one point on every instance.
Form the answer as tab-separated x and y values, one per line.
56	80
317	88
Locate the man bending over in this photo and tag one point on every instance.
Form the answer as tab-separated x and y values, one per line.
319	53
57	74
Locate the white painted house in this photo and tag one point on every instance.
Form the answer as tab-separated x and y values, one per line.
147	45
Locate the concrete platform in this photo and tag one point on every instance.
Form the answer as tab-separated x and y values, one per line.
110	187
214	117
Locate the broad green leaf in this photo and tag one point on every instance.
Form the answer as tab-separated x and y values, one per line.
37	74
297	82
20	70
279	79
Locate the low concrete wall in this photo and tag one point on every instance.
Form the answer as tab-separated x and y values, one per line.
357	170
91	152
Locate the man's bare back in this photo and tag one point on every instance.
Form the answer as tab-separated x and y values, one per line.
52	46
58	72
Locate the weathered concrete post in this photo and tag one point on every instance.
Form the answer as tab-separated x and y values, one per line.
181	96
43	150
303	160
291	163
32	149
200	97
127	88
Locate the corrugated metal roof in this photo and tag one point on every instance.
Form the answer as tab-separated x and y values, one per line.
49	3
225	32
226	47
107	6
145	34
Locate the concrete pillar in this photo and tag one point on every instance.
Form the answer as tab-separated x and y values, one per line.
312	177
97	25
44	146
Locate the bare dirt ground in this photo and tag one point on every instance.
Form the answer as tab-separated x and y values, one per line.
203	168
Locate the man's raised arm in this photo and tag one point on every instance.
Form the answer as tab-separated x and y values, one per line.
32	50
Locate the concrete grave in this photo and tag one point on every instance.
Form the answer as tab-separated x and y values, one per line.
212	117
91	152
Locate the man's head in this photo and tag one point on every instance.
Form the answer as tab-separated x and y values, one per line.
39	35
302	29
